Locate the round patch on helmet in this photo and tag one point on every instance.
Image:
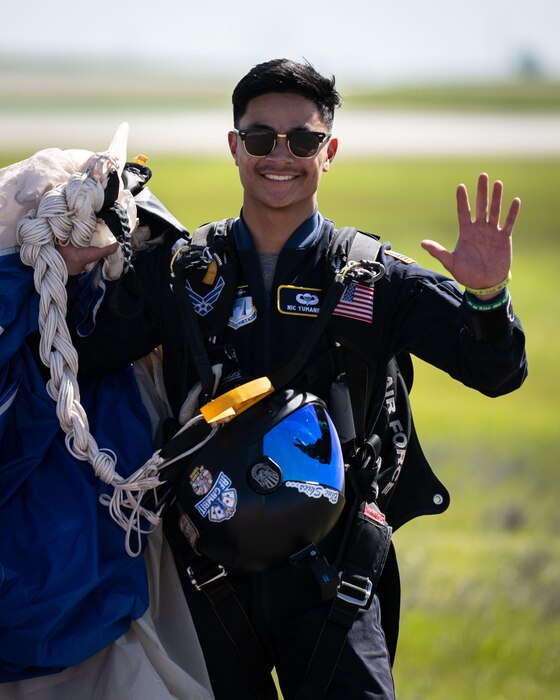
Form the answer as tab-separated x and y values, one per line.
265	476
201	481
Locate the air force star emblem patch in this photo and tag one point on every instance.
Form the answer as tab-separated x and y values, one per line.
204	304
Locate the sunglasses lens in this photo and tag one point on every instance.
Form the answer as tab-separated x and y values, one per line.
259	143
304	144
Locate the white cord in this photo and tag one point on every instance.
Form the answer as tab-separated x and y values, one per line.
67	214
128	495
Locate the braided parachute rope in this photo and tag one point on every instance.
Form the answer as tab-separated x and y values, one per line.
67	214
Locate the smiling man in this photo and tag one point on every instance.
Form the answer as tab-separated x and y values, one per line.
282	145
308	599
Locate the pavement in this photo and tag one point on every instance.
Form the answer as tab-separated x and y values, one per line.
380	133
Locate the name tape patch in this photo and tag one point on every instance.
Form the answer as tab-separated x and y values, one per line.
299	301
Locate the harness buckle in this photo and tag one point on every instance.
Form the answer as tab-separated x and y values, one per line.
363	593
200	584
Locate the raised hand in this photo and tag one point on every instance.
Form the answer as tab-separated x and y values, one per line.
483	252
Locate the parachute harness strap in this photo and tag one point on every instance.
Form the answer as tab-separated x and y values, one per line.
67	214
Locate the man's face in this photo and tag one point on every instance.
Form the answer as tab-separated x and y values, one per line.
279	180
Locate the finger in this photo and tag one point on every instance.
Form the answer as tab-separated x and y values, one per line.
463	207
482	197
512	216
437	251
94	253
109	249
496	204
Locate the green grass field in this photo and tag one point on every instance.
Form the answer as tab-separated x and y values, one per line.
47	86
481	591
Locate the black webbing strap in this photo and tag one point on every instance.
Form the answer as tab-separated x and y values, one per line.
210	579
357	246
364	558
192	335
285	373
363	246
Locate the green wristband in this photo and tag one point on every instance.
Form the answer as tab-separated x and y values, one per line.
492	305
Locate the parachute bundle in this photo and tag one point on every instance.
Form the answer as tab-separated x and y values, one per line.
52	199
71	583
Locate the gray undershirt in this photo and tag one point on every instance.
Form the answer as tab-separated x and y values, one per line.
268	267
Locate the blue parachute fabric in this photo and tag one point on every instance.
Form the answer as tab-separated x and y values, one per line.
67	586
19	304
91	295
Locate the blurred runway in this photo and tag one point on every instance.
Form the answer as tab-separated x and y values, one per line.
381	133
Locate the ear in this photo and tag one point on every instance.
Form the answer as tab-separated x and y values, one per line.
332	148
232	141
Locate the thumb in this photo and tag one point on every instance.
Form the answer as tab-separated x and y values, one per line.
77	258
438	252
103	251
92	253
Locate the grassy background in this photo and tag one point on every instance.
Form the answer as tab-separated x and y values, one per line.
78	87
481	603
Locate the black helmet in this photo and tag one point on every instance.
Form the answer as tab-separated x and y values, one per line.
270	482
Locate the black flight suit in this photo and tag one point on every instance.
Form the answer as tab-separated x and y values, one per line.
415	310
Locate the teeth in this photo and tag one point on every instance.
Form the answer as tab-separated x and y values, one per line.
281	178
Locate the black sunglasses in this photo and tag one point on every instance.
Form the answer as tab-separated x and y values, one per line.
301	144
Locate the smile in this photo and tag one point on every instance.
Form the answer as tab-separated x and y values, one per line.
279	178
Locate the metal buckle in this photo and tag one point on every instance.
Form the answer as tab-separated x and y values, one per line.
198	585
362	601
366	271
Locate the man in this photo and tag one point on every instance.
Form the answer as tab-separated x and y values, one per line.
282	144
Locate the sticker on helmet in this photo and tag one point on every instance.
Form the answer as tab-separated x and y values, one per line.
221	502
224	507
201	481
314	490
265	476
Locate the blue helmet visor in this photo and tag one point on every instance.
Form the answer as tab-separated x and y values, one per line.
306	447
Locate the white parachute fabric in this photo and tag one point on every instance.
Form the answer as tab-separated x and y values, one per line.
64	189
23	184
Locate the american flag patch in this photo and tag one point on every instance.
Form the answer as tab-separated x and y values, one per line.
399	256
356	302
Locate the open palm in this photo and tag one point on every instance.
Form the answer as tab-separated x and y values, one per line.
483	252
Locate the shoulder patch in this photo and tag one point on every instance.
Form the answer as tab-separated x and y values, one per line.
244	310
399	256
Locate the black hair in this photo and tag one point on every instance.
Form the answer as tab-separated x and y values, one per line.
285	75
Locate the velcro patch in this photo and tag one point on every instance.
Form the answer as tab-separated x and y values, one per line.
299	301
399	256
